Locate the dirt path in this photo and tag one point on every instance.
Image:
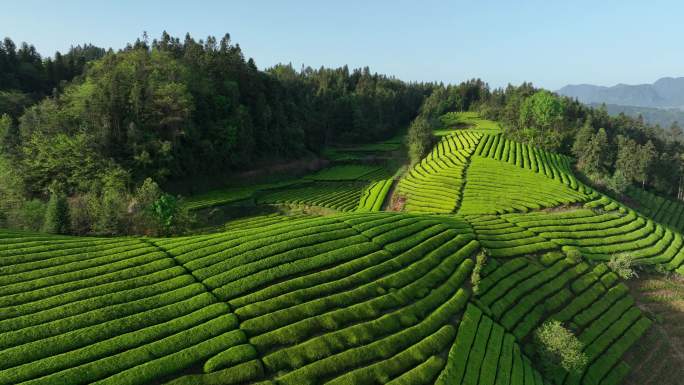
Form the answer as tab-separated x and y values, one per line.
389	198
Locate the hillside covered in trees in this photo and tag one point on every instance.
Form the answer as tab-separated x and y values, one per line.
100	131
174	108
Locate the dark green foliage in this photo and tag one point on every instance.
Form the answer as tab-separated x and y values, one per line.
182	107
595	158
582	139
233	356
651	156
8	134
618	183
56	215
167	212
541	118
175	109
25	76
419	139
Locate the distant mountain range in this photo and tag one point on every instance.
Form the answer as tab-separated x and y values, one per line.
664	117
659	103
664	93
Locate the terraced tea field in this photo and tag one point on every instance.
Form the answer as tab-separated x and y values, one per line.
662	298
363	296
434	184
347	184
338	196
665	211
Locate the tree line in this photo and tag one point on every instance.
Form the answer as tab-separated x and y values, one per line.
612	151
95	124
25	77
451	98
98	131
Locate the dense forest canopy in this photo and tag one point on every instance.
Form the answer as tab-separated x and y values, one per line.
175	108
102	128
25	77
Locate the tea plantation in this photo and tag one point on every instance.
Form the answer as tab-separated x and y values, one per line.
362	296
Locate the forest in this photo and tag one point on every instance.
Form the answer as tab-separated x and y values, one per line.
102	132
94	125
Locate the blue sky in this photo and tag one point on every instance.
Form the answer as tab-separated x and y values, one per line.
551	43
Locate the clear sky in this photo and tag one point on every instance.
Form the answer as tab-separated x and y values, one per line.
551	43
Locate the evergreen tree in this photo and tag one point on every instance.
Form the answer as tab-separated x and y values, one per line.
627	158
56	215
675	132
646	155
618	183
582	139
6	134
419	139
596	158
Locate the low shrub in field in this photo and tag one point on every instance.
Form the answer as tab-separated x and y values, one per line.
558	347
573	254
623	265
475	278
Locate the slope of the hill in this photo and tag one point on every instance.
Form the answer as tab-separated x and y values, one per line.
357	178
659	358
352	298
359	298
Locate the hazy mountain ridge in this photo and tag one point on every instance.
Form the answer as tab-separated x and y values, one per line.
666	92
664	117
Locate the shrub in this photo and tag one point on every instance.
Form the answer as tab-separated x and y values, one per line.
573	254
110	212
140	208
623	265
558	347
56	215
147	193
419	139
81	213
30	216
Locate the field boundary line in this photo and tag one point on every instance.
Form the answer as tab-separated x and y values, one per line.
464	177
188	271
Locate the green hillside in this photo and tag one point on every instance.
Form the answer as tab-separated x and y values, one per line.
362	296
